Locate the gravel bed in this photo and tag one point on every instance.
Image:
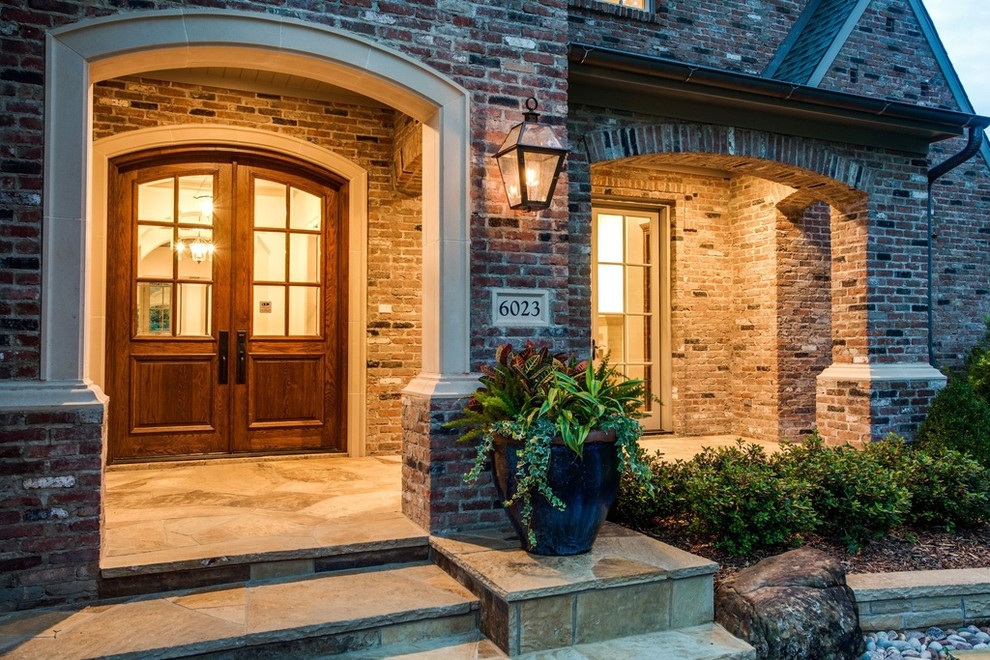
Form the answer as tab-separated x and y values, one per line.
927	644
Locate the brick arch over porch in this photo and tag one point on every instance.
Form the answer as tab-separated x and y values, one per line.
864	362
842	182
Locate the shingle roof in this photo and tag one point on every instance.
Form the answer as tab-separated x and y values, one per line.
815	39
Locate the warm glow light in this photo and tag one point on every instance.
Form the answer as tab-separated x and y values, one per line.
205	205
532	178
199	250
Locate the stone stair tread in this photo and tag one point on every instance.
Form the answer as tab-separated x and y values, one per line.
705	642
201	621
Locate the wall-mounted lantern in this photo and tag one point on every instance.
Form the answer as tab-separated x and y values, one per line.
529	161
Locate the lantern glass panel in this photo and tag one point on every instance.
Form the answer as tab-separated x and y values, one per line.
508	165
539	135
539	169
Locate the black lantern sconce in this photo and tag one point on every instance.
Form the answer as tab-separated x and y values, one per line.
529	161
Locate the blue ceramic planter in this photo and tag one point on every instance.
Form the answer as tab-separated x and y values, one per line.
586	484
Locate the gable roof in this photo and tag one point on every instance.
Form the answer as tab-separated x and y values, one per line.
821	31
942	58
807	53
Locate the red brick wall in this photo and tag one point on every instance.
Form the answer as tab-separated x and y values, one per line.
362	134
50	476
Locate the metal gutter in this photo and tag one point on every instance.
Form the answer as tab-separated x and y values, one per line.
592	64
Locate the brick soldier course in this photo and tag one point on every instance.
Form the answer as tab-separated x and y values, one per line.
798	237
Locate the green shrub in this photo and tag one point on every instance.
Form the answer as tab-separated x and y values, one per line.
948	489
959	420
735	495
637	507
978	365
855	496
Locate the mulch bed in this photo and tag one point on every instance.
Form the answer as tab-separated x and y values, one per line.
903	550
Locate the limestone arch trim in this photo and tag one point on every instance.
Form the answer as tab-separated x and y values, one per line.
108	148
841	181
80	54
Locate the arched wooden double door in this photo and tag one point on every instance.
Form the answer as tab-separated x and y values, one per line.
226	300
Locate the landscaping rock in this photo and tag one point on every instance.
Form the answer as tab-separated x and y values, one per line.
792	606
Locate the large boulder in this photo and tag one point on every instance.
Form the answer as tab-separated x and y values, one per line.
795	605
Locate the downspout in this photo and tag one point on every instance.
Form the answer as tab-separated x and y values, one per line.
975	139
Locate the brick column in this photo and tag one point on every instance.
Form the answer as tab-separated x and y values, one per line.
880	381
51	459
434	494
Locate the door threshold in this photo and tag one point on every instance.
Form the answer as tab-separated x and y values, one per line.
219	459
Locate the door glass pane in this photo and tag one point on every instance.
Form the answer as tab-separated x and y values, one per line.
637	339
194	310
610	289
304	258
610	337
196	199
304	308
269	310
269	256
195	254
610	238
269	204
637	289
637	240
154	308
154	251
306	210
155	200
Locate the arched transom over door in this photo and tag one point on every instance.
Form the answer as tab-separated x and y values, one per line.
226	300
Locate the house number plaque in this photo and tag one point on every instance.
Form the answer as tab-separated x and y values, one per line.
521	307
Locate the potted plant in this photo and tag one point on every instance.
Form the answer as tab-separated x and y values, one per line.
559	432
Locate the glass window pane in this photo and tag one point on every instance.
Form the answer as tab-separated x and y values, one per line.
637	290
269	310
304	258
610	238
611	338
196	199
306	210
154	308
269	256
194	310
269	204
195	253
637	240
155	200
304	310
610	289
638	339
154	251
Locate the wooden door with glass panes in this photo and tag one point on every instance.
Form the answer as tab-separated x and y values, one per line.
628	281
225	327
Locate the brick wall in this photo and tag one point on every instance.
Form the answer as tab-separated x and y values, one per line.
50	510
736	35
364	135
804	314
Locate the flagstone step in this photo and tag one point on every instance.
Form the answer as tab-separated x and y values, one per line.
190	568
310	617
629	584
705	642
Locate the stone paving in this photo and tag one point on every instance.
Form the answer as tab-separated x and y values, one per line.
176	512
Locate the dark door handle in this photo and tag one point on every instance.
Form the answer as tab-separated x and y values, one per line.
241	358
223	353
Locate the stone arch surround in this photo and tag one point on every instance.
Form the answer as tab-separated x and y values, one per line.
104	48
